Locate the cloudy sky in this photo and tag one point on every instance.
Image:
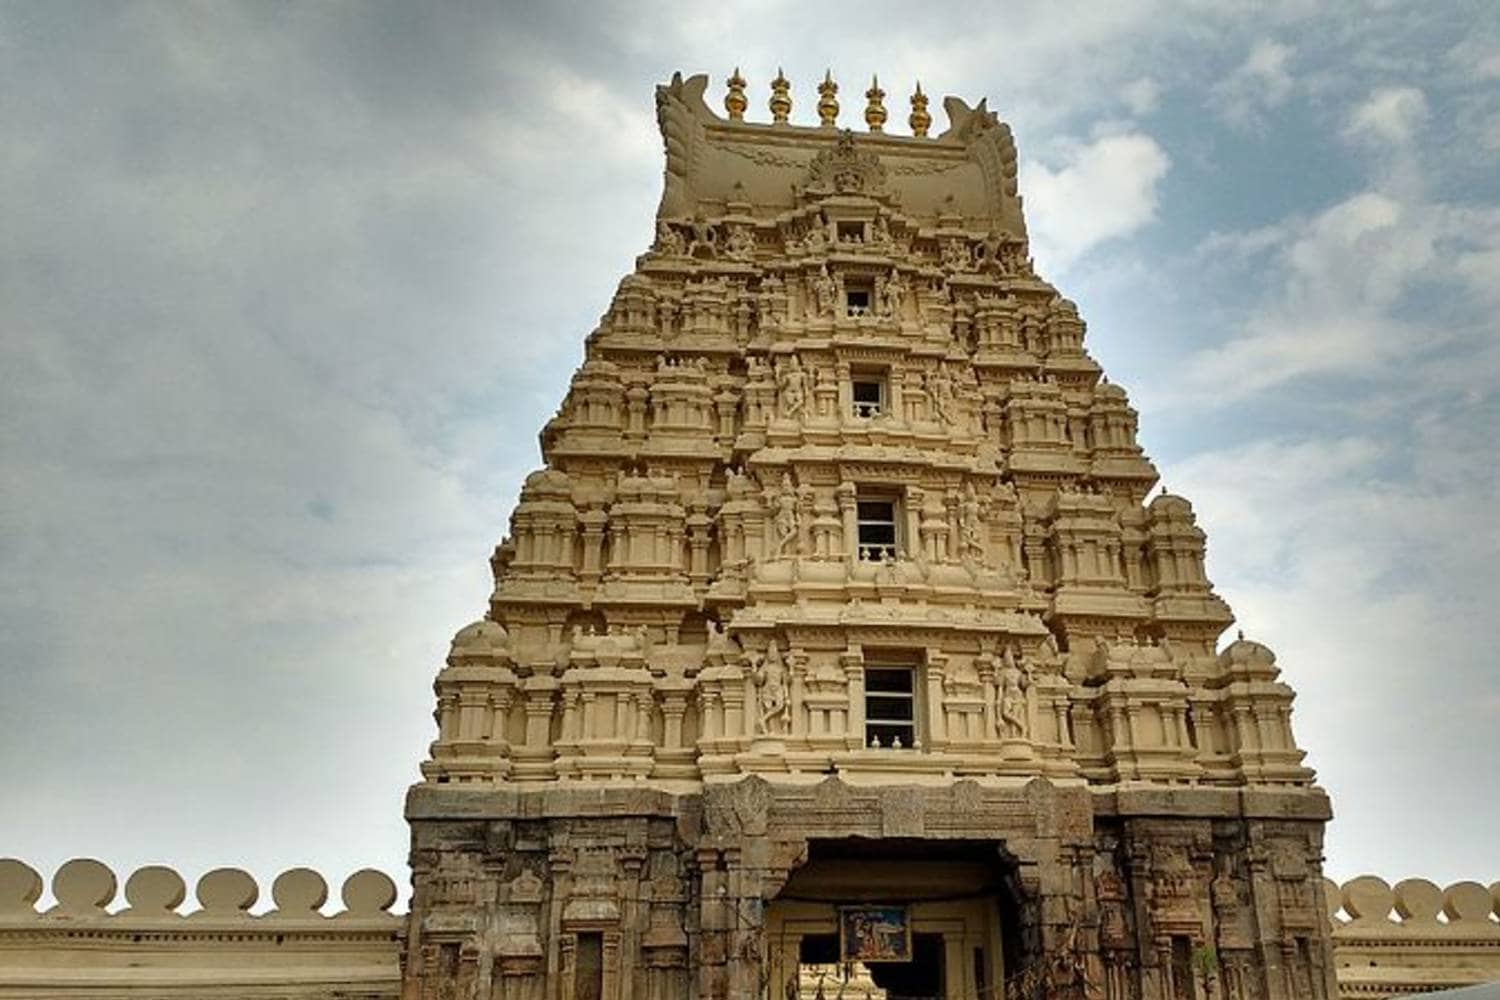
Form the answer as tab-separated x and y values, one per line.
287	291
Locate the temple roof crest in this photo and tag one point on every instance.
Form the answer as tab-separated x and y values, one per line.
845	170
964	176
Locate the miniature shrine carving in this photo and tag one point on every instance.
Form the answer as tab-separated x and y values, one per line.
845	579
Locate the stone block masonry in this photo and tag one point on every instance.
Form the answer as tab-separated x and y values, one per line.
839	582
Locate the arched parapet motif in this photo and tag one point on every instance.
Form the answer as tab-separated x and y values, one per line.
148	936
84	889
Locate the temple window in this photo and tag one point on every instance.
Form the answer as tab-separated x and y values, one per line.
851	232
858	298
891	707
867	390
877	528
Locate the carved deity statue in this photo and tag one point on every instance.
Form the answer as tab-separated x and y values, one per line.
940	389
773	711
957	255
892	293
791	387
741	245
669	242
705	237
825	291
786	520
971	525
1015	679
816	240
769	306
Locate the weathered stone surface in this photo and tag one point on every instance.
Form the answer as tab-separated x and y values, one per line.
839	583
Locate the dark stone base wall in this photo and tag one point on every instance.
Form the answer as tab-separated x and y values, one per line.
1156	895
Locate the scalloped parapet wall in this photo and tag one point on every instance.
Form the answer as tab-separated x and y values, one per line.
142	940
99	940
1413	937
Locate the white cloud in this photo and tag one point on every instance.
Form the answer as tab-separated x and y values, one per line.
1340	275
1105	189
292	319
1141	95
1390	114
1260	83
1367	582
1479	56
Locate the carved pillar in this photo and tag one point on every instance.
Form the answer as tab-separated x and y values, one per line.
852	660
937	729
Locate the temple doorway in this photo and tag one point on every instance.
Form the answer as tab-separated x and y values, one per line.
890	920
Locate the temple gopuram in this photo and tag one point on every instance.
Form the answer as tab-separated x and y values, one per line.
840	639
842	648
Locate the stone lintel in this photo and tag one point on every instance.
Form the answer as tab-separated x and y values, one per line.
439	802
1214	803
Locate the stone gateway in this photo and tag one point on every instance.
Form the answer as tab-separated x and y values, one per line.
835	650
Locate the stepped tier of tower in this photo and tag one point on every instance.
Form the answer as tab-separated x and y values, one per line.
838	490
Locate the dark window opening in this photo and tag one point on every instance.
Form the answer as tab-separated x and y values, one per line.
890	708
851	232
868	394
877	529
857	301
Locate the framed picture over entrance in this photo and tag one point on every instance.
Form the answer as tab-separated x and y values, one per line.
874	934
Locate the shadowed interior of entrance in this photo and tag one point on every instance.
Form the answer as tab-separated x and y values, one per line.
952	908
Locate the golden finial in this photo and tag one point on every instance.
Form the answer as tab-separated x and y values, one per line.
875	110
781	98
920	120
734	101
828	102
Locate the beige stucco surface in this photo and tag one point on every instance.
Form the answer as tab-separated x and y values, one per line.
665	711
146	939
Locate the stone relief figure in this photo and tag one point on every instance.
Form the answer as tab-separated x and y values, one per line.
1014	680
817	239
892	293
741	245
990	248
669	242
971	525
825	291
766	304
791	387
940	389
769	675
957	256
881	232
786	520
704	238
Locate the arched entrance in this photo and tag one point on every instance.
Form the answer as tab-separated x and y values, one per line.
894	919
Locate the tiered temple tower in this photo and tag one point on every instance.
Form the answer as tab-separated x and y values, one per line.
836	627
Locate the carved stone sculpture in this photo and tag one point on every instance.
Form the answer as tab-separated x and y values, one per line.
791	386
839	584
771	683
